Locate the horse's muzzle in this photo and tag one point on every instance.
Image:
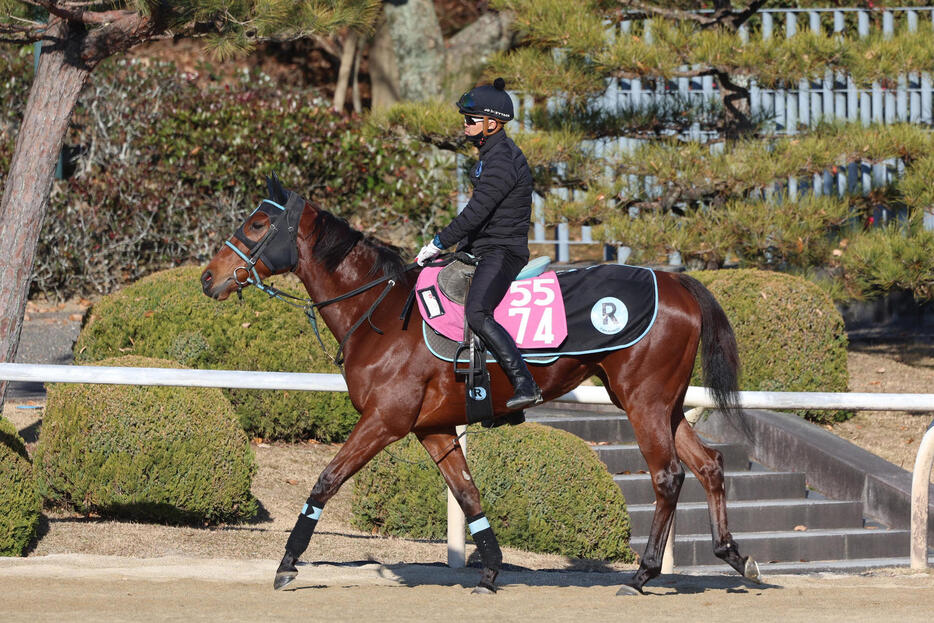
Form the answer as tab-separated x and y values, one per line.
214	290
207	280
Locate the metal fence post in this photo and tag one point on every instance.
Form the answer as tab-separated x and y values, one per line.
920	481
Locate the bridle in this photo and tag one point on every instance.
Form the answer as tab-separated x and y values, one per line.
278	250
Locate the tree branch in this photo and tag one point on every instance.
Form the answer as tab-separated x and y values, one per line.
79	14
722	15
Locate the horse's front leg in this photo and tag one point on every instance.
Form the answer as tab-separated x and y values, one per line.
368	437
449	457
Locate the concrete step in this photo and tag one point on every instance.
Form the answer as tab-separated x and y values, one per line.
612	427
790	546
637	488
627	458
853	565
756	516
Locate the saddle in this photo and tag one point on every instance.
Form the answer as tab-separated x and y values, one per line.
454	283
453	278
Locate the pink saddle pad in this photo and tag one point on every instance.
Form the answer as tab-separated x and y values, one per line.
532	311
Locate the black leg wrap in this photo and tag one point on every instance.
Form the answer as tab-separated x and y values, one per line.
490	555
304	528
300	536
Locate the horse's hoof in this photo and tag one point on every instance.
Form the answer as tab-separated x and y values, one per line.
487	583
628	591
286	572
751	571
283	579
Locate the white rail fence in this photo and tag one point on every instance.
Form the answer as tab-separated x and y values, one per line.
695	397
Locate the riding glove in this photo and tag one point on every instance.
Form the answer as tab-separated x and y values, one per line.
429	251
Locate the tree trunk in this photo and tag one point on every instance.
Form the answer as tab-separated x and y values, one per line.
384	75
406	64
58	82
470	50
418	46
348	56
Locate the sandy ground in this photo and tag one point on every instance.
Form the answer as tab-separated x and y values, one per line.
889	368
177	589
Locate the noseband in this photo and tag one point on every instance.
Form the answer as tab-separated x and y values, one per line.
277	249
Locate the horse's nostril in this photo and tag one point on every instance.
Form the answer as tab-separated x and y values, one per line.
206	279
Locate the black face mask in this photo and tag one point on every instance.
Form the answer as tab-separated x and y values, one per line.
477	139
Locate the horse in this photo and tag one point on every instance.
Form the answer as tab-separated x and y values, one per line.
400	387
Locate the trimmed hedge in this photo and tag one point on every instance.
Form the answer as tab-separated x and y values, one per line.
144	452
166	315
20	503
543	490
791	336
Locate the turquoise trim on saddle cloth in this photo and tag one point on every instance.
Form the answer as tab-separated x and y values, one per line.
478	526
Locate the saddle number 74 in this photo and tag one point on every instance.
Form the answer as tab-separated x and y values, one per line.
533	312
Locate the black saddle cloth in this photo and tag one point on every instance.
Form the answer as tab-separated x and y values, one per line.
608	307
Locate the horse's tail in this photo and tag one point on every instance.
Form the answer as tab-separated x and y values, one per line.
719	352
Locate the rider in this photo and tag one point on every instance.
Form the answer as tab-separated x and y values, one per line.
494	227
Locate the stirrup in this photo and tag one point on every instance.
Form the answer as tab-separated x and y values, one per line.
523	401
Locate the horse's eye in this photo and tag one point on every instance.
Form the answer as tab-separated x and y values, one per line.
257	225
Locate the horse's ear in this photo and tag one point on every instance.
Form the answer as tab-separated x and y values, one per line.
276	191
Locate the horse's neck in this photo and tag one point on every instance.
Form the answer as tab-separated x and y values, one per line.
323	285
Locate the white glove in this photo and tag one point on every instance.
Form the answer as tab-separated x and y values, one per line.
428	251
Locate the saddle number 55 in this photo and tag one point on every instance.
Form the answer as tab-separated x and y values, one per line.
531	303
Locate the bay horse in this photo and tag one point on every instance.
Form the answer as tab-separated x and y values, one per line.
399	386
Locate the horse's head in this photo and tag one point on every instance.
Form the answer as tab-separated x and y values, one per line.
264	245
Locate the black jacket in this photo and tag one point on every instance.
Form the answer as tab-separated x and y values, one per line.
500	209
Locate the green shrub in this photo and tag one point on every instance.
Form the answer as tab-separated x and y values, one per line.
144	452
165	315
20	503
790	334
543	490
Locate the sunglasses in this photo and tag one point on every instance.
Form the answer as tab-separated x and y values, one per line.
470	120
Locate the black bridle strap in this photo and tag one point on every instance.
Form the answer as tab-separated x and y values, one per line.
368	316
308	306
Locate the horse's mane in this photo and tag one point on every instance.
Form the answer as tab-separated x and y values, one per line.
336	239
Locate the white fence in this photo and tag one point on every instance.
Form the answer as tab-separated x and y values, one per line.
696	397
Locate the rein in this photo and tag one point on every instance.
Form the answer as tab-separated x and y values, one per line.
308	306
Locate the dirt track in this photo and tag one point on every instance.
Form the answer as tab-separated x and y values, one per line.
101	588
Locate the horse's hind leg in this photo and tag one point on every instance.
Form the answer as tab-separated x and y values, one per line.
449	457
707	465
368	437
667	478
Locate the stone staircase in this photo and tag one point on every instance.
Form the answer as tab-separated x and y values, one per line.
773	515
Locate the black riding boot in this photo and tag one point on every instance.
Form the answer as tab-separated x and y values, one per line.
503	347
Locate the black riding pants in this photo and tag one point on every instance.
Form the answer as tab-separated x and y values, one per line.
495	272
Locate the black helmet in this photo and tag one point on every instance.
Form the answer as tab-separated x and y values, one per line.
487	101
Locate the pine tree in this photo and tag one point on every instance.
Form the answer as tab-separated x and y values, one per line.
710	180
76	36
